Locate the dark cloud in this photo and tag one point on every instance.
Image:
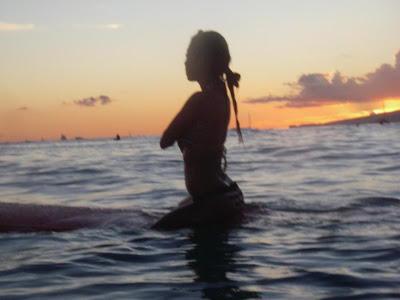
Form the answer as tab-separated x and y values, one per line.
92	101
104	99
321	89
22	108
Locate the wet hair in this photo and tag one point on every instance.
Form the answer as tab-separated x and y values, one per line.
214	48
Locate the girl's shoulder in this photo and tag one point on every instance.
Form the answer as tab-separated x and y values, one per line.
198	96
195	100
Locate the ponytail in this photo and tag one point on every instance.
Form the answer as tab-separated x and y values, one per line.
213	48
233	80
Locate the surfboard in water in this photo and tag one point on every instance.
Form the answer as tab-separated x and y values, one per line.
35	217
38	217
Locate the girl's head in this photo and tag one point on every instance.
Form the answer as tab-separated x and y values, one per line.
208	59
207	56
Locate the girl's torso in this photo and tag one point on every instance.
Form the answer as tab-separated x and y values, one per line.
203	145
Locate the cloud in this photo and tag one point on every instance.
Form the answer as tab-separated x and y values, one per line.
319	89
92	101
22	108
344	56
4	26
103	26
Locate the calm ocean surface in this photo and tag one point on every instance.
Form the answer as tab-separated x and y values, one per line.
323	205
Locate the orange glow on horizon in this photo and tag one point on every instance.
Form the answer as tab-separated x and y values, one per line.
151	118
270	117
389	105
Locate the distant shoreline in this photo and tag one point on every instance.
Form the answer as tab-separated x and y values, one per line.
372	118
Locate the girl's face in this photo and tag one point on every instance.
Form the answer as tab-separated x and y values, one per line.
189	66
196	65
192	66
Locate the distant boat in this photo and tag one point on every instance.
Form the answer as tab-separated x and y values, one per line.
117	138
79	138
383	121
63	137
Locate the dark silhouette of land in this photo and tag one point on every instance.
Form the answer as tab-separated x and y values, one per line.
372	118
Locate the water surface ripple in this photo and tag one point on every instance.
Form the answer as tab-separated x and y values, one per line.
323	208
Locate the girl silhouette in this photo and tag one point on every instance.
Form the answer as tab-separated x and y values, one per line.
200	130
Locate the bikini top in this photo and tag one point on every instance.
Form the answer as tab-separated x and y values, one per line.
184	143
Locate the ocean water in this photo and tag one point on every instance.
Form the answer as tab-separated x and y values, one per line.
323	219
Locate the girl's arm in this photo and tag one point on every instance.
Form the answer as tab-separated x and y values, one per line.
182	122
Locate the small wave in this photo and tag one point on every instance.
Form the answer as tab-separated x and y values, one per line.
367	295
381	255
140	257
291	152
43	268
293	206
389	169
330	279
64	171
285	205
267	150
253	211
376	201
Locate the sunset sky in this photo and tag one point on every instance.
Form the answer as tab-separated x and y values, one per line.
96	68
